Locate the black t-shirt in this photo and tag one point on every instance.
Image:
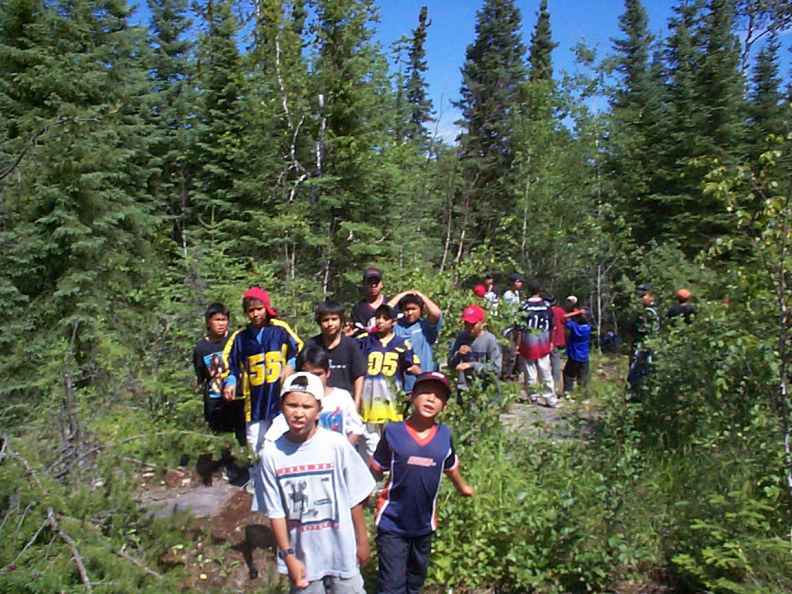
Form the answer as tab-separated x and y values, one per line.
687	310
208	364
347	362
363	314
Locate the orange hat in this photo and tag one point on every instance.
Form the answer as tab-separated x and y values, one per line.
683	295
472	314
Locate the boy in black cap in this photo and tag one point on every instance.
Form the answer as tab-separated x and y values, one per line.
363	312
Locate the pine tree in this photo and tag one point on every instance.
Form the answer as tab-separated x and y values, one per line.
707	107
219	153
78	220
420	104
172	108
493	78
542	46
352	204
636	120
767	111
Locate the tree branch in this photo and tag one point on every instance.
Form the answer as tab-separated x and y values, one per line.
75	552
145	569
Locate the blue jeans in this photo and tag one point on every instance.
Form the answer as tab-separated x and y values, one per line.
403	562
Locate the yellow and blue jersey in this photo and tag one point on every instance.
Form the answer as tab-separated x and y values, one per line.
387	360
256	358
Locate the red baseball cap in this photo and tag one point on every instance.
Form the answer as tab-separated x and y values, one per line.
261	295
472	314
480	290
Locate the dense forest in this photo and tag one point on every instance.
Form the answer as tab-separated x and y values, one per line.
148	171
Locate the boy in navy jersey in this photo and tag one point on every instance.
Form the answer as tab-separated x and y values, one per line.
416	452
389	358
259	356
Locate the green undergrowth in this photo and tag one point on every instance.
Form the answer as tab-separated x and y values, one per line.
620	508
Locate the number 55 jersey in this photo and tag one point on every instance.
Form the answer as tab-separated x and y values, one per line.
257	358
387	359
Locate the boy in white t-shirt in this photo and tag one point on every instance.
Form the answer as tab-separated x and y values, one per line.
314	486
338	414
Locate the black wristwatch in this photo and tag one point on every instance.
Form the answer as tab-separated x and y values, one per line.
283	554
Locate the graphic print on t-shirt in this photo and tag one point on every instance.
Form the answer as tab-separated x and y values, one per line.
332	420
311	500
215	367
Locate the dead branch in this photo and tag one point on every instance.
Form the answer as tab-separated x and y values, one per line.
75	552
143	463
28	470
33	141
145	569
11	566
99	448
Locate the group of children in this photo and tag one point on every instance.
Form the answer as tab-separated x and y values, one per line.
532	345
304	408
303	427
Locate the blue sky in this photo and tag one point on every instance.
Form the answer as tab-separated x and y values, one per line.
453	28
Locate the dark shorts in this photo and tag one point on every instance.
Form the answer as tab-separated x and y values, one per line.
403	562
226	417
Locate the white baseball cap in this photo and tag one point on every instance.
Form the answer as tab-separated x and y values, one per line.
303	381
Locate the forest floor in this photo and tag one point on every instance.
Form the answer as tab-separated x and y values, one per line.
229	548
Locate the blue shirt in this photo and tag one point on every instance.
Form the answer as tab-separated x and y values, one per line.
406	505
422	336
577	346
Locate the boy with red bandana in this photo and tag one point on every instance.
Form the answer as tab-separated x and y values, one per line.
258	357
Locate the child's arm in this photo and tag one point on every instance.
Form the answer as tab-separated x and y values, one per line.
231	357
461	486
455	356
361	535
433	311
294	565
358	390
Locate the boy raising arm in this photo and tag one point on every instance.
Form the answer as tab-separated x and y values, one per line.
417	452
314	487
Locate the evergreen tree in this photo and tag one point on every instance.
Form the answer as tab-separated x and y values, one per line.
352	205
767	111
417	99
707	109
219	153
493	78
77	220
636	120
172	109
542	46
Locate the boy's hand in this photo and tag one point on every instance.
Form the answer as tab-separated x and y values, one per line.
414	370
229	392
463	367
464	349
465	490
296	571
363	552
